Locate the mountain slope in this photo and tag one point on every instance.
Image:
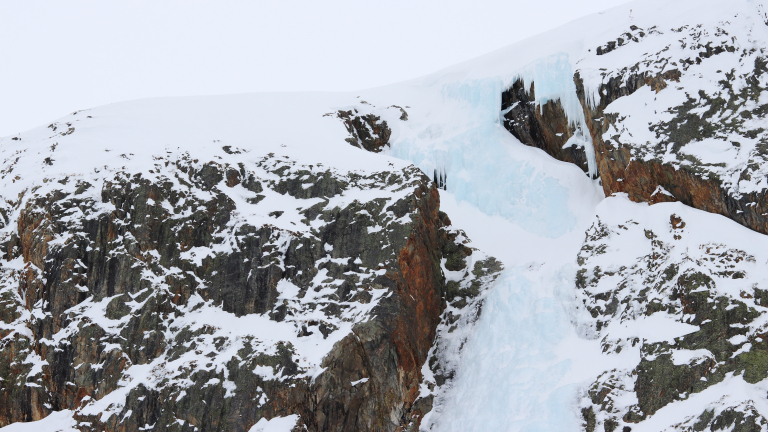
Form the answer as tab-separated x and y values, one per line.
145	284
270	261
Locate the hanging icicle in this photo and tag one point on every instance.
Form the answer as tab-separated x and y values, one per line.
440	178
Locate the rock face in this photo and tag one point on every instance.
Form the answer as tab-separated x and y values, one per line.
685	311
640	171
366	129
544	126
207	296
365	126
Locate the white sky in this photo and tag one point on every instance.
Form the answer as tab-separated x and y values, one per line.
57	57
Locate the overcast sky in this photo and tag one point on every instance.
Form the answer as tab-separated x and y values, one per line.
57	57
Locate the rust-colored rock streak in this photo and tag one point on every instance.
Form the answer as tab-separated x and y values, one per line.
420	292
545	127
640	180
390	349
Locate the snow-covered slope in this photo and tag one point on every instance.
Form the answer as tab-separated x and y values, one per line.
678	300
263	218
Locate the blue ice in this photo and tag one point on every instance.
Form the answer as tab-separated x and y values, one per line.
484	166
509	379
509	373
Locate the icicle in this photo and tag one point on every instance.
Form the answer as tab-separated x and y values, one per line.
591	161
589	151
552	78
445	180
440	178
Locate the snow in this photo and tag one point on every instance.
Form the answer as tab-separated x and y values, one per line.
732	391
711	151
275	424
58	421
680	357
654	328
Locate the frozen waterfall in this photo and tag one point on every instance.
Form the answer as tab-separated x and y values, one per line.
530	211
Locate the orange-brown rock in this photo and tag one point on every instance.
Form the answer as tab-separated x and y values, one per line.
653	181
543	126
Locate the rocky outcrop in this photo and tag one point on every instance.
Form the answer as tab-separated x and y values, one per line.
367	131
366	127
184	298
667	167
708	287
652	180
543	126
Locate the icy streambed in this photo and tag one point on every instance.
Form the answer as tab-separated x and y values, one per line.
523	366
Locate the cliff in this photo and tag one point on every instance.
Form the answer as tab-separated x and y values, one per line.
289	261
182	293
681	122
